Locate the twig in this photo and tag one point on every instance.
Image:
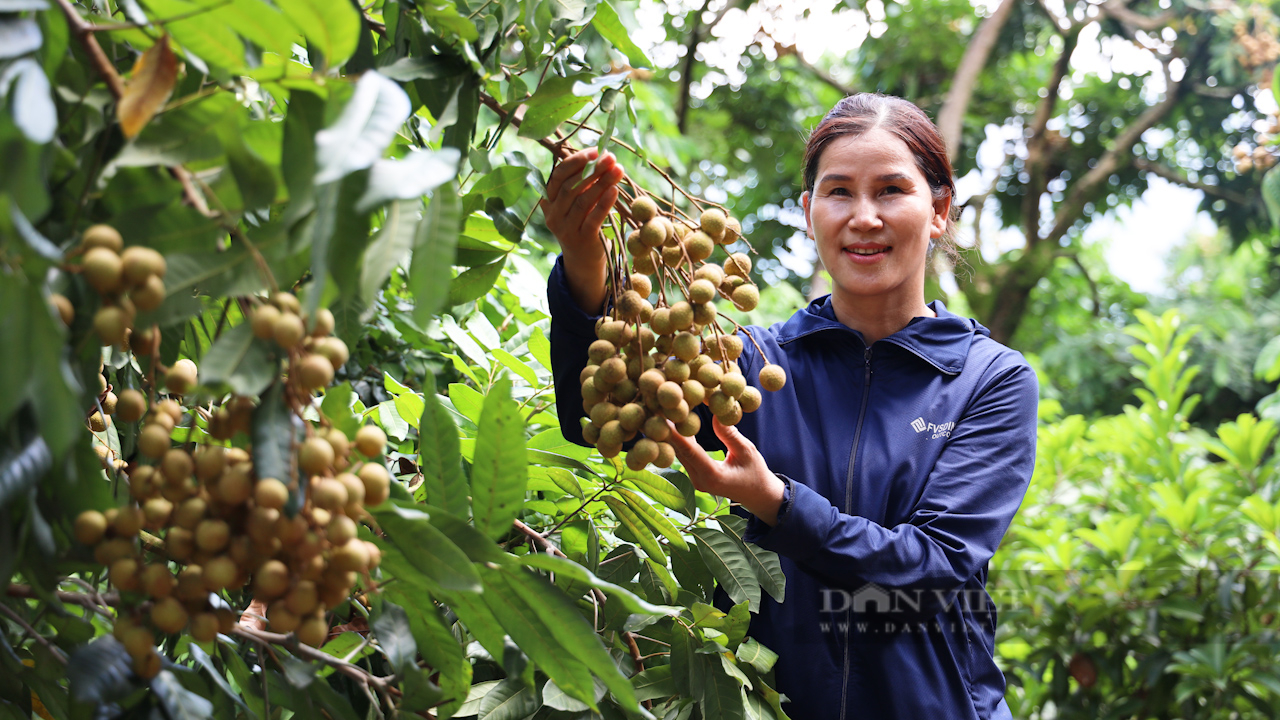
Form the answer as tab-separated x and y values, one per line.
26	627
290	642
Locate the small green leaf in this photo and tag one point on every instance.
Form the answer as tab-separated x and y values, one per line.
629	600
474	283
730	566
499	471
427	549
637	527
332	26
552	104
433	252
508	700
756	655
367	125
389	248
516	366
238	359
652	517
765	563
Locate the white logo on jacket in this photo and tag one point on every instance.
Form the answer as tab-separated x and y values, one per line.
937	431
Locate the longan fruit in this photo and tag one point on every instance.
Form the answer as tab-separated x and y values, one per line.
661	321
288	330
102	269
140	263
149	295
220	573
731	416
651	380
694	391
690	425
169	616
271	580
625	391
111	324
328	494
315	456
750	399
315	371
179	543
210	461
591	434
340	529
263	321
611	434
97	422
177	464
313	630
138	642
746	297
669	394
102	236
212	535
686	346
124	574
631	416
677	414
772	377
681	316
302	599
148	666
699	246
733	384
630	305
713	223
738	264
280	619
181	377
142	341
334	349
666	455
710	272
66	312
641	284
643	209
701	291
732	231
377	483
287	302
235	486
371	441
90	526
709	374
355	492
188	514
351	557
338	439
322	323
108	551
128	521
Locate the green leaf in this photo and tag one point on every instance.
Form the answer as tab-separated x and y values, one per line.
692	572
570	629
333	26
433	251
506	182
417	174
212	42
427	549
367	125
766	564
241	361
474	283
730	566
540	347
516	366
178	702
756	655
570	569
439	458
637	527
389	247
276	432
1271	194
552	104
652	517
719	694
681	659
658	488
566	481
654	683
33	110
467	400
391	628
543	457
499	470
509	700
532	633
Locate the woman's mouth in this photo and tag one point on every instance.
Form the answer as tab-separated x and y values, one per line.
864	255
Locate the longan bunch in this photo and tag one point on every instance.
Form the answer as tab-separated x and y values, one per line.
225	528
315	354
1261	49
128	279
655	362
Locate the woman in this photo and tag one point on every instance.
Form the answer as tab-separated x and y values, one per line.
887	470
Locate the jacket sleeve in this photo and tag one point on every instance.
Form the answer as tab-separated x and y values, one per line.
967	504
572	332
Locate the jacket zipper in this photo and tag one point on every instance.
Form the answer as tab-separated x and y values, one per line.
848	508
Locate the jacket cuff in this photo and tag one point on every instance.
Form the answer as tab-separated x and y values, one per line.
566	316
804	522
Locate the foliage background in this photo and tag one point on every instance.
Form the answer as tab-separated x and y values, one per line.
386	160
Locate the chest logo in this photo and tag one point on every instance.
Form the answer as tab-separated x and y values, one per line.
935	431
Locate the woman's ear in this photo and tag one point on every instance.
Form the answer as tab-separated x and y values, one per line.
941	213
805	197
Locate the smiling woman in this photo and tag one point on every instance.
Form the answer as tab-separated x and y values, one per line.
887	469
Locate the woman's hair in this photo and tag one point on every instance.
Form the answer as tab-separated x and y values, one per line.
862	112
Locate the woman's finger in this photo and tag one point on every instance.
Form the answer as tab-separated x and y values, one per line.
734	441
568	168
692	456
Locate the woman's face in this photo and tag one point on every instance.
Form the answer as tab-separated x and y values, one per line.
872	215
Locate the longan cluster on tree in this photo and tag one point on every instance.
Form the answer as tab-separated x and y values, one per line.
661	349
212	522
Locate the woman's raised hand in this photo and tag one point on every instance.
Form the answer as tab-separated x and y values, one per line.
575	210
743	476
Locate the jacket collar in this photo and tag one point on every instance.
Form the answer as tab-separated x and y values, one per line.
941	341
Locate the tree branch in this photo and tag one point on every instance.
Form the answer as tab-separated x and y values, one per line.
1120	151
1093	286
1178	178
1038	141
823	75
1119	11
686	72
951	117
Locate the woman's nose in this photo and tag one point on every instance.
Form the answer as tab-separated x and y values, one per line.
864	215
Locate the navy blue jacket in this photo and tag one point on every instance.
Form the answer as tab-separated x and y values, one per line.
905	463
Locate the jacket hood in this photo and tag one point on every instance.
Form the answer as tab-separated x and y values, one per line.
941	341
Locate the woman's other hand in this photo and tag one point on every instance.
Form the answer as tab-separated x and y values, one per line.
575	210
743	476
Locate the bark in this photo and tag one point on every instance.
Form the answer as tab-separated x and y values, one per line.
951	118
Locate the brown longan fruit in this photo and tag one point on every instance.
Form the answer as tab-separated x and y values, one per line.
732	231
642	453
139	263
709	374
677	414
149	295
235	486
630	305
315	371
280	619
108	551
661	321
750	399
643	209
772	377
287	302
351	557
690	425
377	483
701	291
738	264
102	269
313	630
733	384
261	524
270	493
142	341
288	331
271	580
169	616
97	422
355	492
181	377
210	461
328	494
746	297
124	574
611	434
732	415
322	323
66	311
686	346
148	666
263	321
694	392
220	573
177	464
340	529
157	582
591	434
179	543
334	349
371	441
128	521
613	370
713	223
111	324
90	526
315	456
681	316
699	246
710	272
188	513
631	416
669	394
138	642
102	236
338	439
666	455
212	535
641	284
302	599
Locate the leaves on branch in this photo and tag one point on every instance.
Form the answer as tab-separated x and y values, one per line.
149	87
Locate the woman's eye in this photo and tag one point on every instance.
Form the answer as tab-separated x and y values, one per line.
892	189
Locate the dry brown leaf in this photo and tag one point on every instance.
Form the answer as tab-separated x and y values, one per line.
150	85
